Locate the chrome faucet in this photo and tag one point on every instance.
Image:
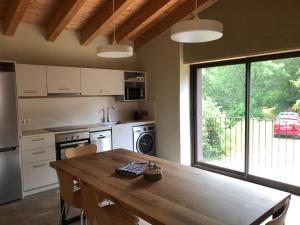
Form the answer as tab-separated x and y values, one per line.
103	115
108	119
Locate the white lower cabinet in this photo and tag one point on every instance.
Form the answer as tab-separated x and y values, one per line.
37	152
38	174
122	136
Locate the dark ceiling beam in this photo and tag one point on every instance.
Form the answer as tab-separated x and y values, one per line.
182	11
152	10
14	14
104	17
66	11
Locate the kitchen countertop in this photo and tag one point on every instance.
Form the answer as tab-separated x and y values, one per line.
90	128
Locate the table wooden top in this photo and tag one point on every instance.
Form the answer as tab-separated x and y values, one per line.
184	195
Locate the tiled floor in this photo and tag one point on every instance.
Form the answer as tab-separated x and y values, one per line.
43	209
39	209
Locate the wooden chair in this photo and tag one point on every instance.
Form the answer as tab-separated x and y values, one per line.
111	214
281	218
70	196
81	151
68	184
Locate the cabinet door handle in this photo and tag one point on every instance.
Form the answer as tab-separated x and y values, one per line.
39	165
37	153
64	89
39	139
29	92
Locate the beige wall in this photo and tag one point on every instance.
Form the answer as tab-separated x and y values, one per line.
51	112
250	27
160	58
29	45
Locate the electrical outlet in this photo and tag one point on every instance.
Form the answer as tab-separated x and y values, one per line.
25	121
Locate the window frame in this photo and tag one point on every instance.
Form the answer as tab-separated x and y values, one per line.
193	104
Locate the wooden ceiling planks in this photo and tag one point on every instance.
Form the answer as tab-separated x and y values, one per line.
85	14
182	11
151	11
39	12
14	14
64	14
136	20
104	17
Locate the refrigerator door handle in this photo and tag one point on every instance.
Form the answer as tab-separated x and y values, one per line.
8	149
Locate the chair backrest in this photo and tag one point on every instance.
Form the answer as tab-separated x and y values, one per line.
281	218
112	214
81	151
66	186
90	201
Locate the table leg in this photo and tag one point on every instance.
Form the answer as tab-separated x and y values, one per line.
64	220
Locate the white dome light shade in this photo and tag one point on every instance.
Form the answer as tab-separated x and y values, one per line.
115	51
196	30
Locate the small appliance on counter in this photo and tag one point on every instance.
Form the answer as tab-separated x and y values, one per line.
140	114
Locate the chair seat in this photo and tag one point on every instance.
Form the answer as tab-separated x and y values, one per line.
115	215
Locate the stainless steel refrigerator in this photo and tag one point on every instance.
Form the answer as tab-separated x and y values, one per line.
10	171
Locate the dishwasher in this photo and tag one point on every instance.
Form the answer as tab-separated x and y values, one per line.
102	139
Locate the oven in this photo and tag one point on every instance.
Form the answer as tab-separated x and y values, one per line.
65	141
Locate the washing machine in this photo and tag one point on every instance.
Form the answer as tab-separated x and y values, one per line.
144	139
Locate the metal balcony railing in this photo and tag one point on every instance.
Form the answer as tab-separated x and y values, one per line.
274	148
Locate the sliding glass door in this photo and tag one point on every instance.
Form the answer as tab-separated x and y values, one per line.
246	119
275	121
221	113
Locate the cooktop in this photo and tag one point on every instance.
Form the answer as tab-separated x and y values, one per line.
65	128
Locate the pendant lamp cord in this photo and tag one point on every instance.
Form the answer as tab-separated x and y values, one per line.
196	6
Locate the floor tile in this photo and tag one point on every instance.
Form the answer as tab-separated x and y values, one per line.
10	215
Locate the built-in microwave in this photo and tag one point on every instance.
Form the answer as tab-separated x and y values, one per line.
134	86
134	93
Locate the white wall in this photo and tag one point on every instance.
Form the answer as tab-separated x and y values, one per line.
65	111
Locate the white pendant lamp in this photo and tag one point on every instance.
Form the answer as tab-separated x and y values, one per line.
196	30
114	50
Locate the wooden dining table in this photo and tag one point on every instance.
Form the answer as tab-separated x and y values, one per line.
184	195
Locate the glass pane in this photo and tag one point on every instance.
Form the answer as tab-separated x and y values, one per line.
275	122
221	107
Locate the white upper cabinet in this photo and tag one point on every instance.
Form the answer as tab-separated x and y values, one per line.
31	80
63	80
102	82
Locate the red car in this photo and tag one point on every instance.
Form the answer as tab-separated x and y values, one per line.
287	124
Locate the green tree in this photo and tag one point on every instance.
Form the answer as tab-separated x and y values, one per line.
296	83
212	147
271	87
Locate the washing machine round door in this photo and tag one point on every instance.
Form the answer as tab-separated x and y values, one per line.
145	143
